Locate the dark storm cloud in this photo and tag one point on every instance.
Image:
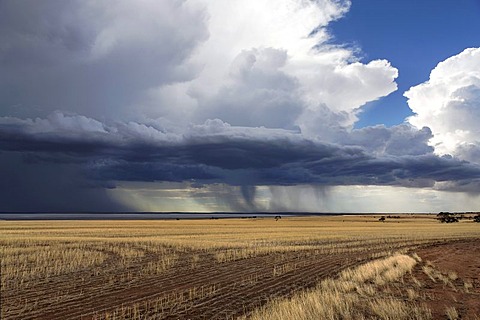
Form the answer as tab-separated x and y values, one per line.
218	153
93	56
398	140
29	185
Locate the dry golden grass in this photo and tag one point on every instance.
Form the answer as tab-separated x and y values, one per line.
451	313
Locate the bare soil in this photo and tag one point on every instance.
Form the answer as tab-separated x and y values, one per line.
463	258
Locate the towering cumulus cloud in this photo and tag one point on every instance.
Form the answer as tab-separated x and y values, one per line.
231	103
449	104
272	65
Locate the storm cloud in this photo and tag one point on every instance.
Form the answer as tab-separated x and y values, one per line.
216	152
93	56
234	97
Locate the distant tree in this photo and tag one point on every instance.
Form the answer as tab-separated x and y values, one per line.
477	218
382	219
447	217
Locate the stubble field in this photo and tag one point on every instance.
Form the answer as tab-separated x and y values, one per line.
240	268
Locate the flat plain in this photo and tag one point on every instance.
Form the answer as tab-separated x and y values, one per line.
252	268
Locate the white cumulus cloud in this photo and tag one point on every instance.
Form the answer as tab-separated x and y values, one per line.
449	104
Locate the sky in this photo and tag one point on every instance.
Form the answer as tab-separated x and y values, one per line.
241	105
414	36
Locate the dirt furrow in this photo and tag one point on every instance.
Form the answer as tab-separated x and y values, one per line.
233	302
224	272
173	282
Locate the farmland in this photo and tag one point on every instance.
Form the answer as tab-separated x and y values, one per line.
229	268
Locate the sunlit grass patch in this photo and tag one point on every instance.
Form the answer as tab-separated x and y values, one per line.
355	294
